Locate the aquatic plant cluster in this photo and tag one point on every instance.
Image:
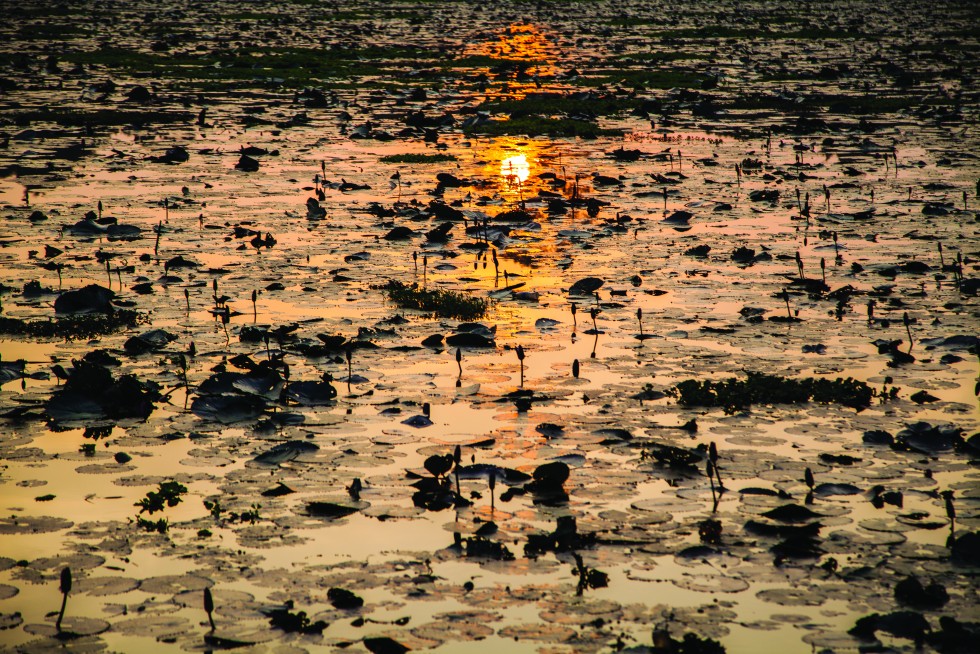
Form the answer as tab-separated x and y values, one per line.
466	326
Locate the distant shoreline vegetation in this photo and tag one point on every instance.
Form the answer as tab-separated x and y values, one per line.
418	158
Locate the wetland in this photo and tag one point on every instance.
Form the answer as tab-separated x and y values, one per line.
464	327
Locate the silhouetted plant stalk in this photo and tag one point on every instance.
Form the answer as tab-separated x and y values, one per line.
493	484
908	329
947	496
255	308
520	357
348	356
457	457
65	588
809	481
575	368
574	320
713	457
710	471
182	362
209	607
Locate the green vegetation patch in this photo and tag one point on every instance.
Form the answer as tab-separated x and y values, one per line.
778	32
759	388
417	158
100	117
72	327
538	126
668	78
549	104
444	304
487	61
288	66
664	56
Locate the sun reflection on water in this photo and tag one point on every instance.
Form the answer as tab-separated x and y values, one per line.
515	169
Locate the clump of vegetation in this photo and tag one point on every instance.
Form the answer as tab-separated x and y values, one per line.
101	117
540	126
418	158
297	622
664	643
168	493
444	304
497	63
759	388
546	104
160	526
82	326
280	66
91	383
668	78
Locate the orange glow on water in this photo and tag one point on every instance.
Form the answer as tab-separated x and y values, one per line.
515	169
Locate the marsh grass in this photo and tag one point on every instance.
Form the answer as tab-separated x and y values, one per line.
100	117
759	388
73	327
547	104
417	158
444	304
667	78
290	66
539	126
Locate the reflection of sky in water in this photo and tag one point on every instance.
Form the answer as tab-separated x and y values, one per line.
525	52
